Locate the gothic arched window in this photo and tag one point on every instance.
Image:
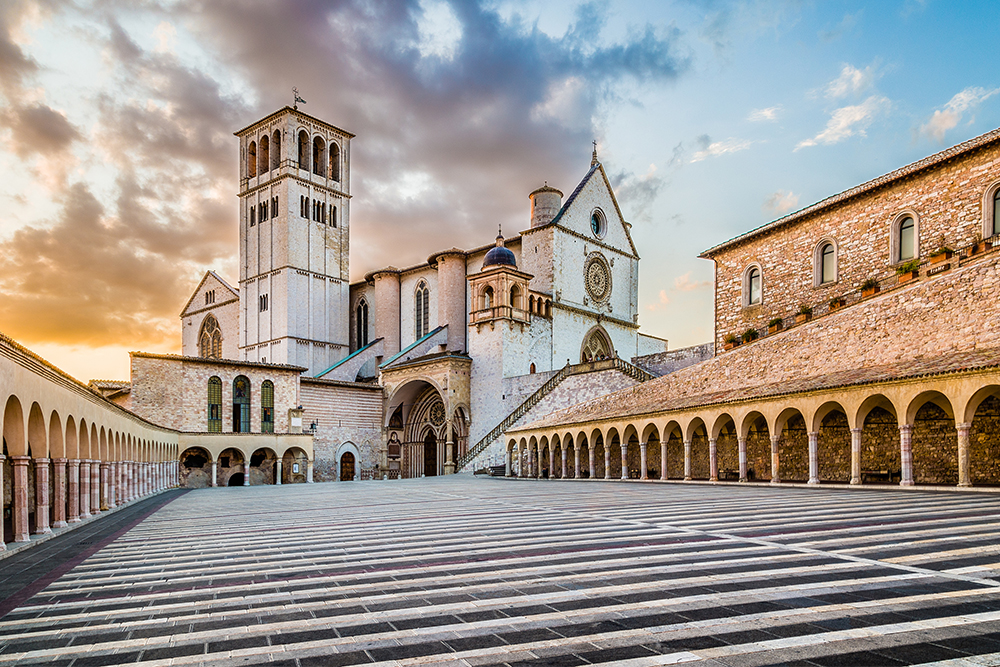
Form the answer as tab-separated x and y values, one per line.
421	310
241	405
361	322
214	405
335	162
265	154
252	160
267	407
210	339
303	149
319	156
276	149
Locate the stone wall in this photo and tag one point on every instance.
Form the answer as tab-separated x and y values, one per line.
344	413
946	201
673	360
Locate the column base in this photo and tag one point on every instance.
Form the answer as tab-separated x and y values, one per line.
22	538
76	520
775	481
449	468
85	515
59	524
688	479
965	485
43	531
713	479
855	480
906	483
813	481
744	479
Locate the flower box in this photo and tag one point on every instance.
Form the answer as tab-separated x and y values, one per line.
869	291
837	304
774	328
802	317
981	247
941	256
907	276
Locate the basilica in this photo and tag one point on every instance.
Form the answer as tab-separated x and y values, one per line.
399	374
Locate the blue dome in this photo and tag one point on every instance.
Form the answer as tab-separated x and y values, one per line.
500	256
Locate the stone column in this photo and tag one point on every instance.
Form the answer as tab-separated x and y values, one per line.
105	487
906	454
552	462
538	463
643	461
509	459
59	488
713	459
309	471
3	547
563	475
73	491
663	460
775	462
277	472
856	455
84	488
95	487
576	462
624	460
593	462
814	457
742	444
42	497
687	460
449	445
607	461
964	468
215	474
19	520
246	472
123	482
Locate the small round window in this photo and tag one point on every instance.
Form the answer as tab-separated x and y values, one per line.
598	225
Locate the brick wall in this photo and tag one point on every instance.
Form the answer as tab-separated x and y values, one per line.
946	200
343	414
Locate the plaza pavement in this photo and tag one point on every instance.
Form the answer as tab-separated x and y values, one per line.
464	571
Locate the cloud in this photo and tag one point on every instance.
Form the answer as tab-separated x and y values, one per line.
950	115
637	193
780	202
768	114
852	81
39	131
716	148
845	26
684	283
662	303
849	121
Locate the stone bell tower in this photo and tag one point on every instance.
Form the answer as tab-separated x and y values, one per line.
295	192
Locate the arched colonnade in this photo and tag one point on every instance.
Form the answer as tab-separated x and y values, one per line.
943	430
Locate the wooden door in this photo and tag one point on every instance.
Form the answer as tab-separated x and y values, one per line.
347	467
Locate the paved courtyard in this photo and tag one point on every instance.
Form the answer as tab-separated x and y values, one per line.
463	571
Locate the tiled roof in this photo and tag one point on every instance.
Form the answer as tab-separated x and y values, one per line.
657	396
902	172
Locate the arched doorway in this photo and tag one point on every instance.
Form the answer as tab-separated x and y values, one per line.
236	479
430	455
347	467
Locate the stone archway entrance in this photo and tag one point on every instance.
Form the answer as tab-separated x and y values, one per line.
236	479
430	455
347	467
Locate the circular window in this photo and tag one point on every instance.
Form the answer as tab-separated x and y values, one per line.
437	413
598	224
597	275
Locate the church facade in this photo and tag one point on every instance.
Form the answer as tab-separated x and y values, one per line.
408	368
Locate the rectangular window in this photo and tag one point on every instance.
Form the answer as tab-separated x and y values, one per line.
253	216
333	215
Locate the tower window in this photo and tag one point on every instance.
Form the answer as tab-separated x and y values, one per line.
319	156
333	215
262	302
335	162
422	310
265	158
209	297
276	149
303	150
252	160
253	216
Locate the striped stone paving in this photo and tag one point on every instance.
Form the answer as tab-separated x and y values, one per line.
462	571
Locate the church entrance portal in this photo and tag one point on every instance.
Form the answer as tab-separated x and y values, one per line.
347	467
430	455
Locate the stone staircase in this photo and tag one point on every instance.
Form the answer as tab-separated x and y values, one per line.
524	408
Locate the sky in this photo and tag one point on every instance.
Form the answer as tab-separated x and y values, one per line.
118	166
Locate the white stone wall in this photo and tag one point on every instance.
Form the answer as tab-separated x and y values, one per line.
228	316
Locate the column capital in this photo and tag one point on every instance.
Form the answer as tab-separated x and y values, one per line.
39	461
20	460
59	459
963	426
906	428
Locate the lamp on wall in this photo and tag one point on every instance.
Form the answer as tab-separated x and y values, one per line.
312	427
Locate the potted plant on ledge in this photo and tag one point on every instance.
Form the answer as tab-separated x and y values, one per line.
908	271
941	254
804	315
837	302
775	325
750	335
730	341
869	288
981	245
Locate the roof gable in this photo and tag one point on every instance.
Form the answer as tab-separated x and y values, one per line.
211	280
595	189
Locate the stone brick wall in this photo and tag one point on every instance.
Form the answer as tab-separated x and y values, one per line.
173	391
673	360
946	200
343	414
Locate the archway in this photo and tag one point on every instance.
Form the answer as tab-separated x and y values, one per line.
263	466
596	346
196	468
347	467
430	455
236	479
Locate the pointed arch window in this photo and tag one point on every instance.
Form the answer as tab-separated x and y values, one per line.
361	322
276	149
252	160
214	405
267	407
241	404
210	338
265	154
421	312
